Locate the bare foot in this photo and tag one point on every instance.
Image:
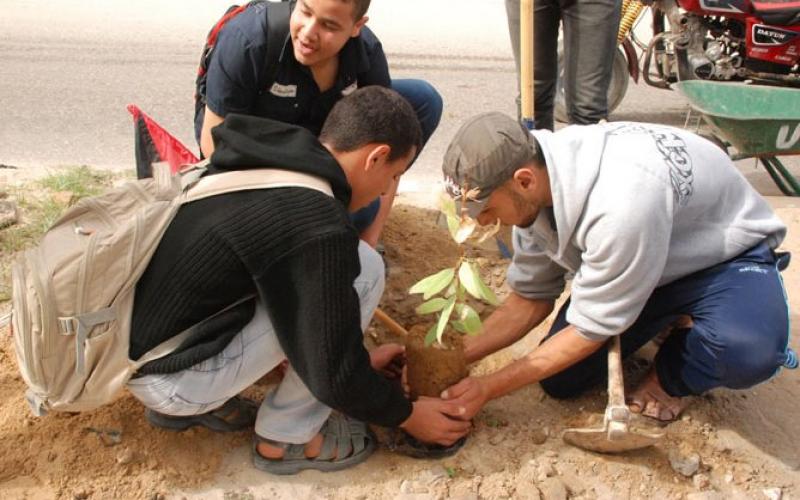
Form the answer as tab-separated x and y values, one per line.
650	400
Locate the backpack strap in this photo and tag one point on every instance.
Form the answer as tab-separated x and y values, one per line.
278	14
244	180
173	343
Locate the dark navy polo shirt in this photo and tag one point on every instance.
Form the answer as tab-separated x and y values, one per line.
236	74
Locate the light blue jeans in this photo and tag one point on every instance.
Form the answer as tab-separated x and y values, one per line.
290	413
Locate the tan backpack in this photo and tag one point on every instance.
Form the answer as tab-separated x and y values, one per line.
73	293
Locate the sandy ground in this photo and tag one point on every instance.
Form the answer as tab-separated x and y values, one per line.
729	444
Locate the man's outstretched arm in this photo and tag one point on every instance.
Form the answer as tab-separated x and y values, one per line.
561	351
509	323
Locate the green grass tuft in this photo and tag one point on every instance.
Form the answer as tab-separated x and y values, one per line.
38	209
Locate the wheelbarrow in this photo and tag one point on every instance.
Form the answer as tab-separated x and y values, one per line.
760	121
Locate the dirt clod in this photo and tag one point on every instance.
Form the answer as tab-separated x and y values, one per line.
701	481
553	489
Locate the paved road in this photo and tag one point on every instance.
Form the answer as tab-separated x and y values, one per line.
69	67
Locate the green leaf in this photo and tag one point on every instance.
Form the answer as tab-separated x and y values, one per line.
433	284
431	336
469	277
451	290
448	206
471	320
444	318
462	292
459	326
453	223
432	306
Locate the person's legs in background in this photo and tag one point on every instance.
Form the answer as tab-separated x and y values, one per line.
547	19
590	42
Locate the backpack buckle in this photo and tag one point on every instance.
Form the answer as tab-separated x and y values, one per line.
68	325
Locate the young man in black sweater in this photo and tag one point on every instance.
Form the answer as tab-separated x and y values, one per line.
316	287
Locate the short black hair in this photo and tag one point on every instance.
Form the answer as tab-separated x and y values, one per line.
373	115
360	8
537	157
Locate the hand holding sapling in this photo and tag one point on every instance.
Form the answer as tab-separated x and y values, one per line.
471	394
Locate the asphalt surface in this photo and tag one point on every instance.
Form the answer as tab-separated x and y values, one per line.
70	67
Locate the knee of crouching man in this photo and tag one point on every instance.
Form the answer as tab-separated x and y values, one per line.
372	267
750	363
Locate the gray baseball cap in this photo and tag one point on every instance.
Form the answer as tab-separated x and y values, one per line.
484	154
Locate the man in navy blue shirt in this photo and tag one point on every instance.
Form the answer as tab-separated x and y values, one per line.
328	53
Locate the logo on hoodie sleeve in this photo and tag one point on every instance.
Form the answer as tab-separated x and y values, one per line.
673	152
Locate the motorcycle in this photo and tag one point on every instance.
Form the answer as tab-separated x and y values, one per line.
722	40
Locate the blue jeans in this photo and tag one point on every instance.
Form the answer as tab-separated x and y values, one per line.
427	104
739	338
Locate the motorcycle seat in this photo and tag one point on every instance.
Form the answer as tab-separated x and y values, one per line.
778	12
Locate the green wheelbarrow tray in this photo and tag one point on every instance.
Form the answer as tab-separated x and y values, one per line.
758	120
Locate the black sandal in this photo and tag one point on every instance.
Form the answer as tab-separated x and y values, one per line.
237	414
346	442
406	444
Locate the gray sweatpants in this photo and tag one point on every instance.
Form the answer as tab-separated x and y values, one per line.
289	414
590	33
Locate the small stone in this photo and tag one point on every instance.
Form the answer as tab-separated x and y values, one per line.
497	439
126	456
728	478
406	486
705	495
546	470
551	454
539	436
773	493
701	481
81	495
527	493
686	418
553	489
686	464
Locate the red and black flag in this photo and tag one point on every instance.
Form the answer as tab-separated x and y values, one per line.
154	144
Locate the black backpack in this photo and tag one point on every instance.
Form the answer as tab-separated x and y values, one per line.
277	30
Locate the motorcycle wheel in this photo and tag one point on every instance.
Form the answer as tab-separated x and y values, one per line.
616	89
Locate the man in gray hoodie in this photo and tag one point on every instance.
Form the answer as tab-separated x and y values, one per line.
658	231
